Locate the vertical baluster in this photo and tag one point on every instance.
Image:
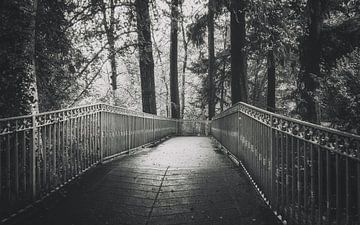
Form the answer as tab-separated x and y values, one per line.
105	125
337	188
298	179
24	157
101	133
76	139
51	152
111	134
305	183
1	171
86	141
293	177
312	184
117	133
43	148
9	164
92	138
320	186
347	189
358	188
71	143
16	159
283	174
278	170
328	187
38	160
54	151
65	146
94	135
58	153
33	159
272	151
82	149
287	176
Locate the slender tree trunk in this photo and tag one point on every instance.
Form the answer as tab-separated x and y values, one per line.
108	24
146	57
271	79
168	105
174	86
185	44
33	74
222	96
310	63
111	40
223	91
239	89
211	75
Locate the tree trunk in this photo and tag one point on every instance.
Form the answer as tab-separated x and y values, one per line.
271	79
239	89
211	44
310	63
185	43
33	86
223	91
146	57
109	30
174	86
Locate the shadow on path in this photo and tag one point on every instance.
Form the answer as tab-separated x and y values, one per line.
184	180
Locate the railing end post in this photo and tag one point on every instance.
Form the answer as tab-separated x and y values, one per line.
33	158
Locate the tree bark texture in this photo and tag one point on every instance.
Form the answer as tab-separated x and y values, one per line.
146	57
33	86
185	44
239	89
223	77
271	79
310	63
211	71
108	24
174	86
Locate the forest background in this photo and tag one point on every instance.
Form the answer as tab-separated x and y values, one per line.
182	58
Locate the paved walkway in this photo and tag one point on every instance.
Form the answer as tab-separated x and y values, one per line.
184	180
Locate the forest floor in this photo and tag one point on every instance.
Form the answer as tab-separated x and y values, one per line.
184	180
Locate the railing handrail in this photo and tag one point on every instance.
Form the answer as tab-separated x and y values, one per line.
316	126
127	111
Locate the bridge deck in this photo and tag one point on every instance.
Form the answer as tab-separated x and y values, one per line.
184	180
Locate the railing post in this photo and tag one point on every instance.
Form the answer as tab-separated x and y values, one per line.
238	124
153	127
272	157
101	134
33	159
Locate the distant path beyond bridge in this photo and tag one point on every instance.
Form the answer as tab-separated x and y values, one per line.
184	180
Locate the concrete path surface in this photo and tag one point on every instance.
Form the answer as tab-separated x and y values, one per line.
184	180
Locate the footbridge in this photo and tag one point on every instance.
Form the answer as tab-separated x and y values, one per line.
101	164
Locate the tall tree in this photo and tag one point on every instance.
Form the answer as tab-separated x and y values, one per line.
239	90
146	56
14	58
109	24
211	49
185	45
174	85
33	67
271	80
310	62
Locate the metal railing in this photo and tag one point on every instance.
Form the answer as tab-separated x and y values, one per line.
41	153
194	127
307	174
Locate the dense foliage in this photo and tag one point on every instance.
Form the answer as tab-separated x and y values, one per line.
105	51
